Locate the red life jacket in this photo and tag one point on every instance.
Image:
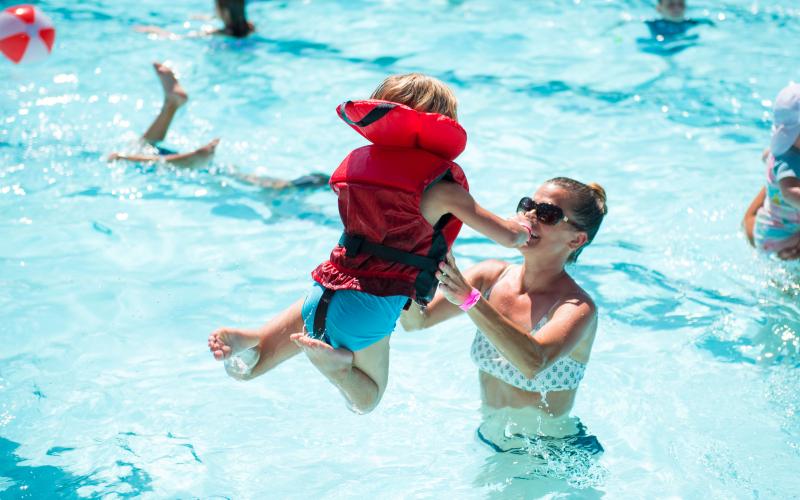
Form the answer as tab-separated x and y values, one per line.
388	248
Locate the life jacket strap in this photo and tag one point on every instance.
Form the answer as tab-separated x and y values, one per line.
355	245
375	114
320	316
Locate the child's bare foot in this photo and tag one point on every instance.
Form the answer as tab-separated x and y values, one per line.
173	92
333	363
228	341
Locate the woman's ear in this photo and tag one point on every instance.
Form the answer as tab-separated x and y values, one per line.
578	241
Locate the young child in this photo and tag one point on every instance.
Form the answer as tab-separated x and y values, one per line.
673	22
777	222
402	201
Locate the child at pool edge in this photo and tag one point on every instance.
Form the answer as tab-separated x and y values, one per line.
361	374
673	22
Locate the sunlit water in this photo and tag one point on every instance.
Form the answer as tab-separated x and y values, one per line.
112	275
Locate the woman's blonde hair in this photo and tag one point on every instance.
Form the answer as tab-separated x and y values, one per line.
420	92
588	207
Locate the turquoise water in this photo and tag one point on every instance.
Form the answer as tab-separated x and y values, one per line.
112	276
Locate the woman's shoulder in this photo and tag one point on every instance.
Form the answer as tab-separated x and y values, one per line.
486	273
575	296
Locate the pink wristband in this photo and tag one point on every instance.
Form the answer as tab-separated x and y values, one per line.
472	299
527	227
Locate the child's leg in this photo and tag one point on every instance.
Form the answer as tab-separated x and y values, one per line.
174	97
199	157
361	376
275	345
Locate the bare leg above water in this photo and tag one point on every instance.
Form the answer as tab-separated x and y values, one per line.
272	340
360	376
174	97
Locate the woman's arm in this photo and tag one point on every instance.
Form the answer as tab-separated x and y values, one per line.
530	353
483	275
449	198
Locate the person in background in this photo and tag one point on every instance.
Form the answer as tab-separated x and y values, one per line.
234	18
535	325
150	149
232	13
673	22
774	223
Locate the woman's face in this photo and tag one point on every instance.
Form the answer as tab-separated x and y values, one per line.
563	236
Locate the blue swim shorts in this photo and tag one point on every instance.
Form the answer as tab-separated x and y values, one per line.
355	319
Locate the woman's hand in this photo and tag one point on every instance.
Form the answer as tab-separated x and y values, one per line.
452	283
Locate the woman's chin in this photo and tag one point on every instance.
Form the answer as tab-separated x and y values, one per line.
532	243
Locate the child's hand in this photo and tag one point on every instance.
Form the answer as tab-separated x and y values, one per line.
523	237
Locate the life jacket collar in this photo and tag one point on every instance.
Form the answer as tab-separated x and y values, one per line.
387	123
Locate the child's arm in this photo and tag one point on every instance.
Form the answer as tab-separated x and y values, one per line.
790	190
749	219
449	198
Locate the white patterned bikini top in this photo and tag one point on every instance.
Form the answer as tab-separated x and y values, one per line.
563	375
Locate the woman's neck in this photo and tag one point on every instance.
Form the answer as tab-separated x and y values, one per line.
541	274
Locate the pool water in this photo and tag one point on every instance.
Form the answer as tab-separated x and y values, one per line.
113	275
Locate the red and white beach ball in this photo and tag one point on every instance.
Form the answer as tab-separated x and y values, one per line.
26	35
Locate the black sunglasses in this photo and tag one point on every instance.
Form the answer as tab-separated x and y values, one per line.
546	213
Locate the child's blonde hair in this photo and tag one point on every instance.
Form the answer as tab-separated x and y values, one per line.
419	92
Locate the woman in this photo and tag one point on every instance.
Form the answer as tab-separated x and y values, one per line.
535	325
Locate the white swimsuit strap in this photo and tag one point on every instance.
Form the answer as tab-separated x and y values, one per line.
565	374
